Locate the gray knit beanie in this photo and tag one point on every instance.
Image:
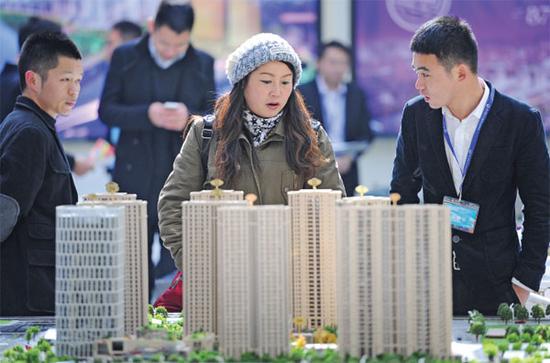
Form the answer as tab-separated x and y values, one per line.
260	49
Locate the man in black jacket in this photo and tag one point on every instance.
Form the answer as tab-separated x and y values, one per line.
340	106
152	87
473	148
34	171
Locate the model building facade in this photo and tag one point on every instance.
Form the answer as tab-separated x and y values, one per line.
220	194
394	280
199	250
367	200
89	285
313	226
136	285
254	312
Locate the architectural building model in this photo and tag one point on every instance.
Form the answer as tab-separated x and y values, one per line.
254	313
89	285
210	195
367	200
199	250
313	226
136	286
394	279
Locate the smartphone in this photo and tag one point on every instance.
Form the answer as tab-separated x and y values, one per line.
170	105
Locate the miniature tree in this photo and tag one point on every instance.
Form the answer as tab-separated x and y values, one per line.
547	309
537	312
513	337
521	313
490	350
30	333
161	311
505	312
477	328
475	315
512	329
503	346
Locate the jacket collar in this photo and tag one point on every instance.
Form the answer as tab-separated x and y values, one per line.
27	103
488	134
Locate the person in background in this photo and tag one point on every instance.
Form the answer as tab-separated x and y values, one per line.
472	148
340	106
121	32
35	173
264	141
11	89
152	87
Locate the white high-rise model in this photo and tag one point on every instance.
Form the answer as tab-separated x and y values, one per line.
136	282
254	312
313	223
199	250
211	195
394	279
89	280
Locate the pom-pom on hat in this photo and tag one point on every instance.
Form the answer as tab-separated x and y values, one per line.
258	50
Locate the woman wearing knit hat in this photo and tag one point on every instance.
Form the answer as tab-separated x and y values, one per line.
264	140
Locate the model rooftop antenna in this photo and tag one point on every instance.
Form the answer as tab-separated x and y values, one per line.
314	182
361	190
217	183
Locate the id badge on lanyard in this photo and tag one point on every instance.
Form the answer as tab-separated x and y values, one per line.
463	213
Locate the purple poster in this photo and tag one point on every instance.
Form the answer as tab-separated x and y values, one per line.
513	39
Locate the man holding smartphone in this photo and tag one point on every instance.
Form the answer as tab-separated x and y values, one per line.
152	87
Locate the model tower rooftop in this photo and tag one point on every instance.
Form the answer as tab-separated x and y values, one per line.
364	199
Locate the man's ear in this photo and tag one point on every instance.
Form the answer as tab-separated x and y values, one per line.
33	81
461	71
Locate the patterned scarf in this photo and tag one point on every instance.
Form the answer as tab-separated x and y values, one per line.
260	127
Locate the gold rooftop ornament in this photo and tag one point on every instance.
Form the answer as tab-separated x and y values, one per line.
395	197
250	198
300	323
112	187
361	190
91	197
314	182
217	183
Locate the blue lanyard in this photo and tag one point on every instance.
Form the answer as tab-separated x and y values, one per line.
475	138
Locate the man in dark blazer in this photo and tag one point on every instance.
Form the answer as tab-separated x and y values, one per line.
464	140
152	87
340	106
34	172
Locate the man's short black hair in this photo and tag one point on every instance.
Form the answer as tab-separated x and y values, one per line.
450	39
41	52
175	15
333	44
128	30
36	25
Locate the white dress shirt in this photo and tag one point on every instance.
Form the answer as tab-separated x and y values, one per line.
461	134
333	107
